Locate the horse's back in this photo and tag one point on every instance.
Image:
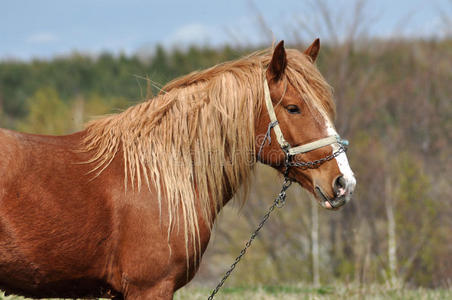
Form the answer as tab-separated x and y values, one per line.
54	215
10	153
20	151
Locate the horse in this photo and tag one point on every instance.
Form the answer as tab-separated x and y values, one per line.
124	208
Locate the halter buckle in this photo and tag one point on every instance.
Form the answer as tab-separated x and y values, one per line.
285	145
343	142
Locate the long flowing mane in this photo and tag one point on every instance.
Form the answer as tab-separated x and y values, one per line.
195	142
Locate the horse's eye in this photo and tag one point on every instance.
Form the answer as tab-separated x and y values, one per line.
293	109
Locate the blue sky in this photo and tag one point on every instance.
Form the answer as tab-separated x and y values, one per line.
46	28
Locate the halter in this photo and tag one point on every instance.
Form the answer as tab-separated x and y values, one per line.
289	152
287	148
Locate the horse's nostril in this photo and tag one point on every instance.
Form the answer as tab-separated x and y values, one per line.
339	186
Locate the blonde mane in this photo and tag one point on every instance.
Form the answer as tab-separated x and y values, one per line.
195	142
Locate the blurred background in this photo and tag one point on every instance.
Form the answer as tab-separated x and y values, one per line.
390	63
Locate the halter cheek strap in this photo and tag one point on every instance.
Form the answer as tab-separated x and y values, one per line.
280	137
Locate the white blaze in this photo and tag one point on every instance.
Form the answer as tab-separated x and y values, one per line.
342	161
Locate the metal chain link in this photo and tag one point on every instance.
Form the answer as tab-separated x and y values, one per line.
315	163
279	202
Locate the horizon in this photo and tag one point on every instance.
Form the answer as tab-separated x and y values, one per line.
48	29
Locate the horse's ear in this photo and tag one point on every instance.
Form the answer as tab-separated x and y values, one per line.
313	50
278	62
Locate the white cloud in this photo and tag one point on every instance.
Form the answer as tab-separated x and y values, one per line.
193	34
41	38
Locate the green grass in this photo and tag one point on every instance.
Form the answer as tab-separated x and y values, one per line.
300	292
324	293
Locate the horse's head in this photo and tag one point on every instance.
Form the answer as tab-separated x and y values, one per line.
298	120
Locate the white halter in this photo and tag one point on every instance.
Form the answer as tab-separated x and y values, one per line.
279	136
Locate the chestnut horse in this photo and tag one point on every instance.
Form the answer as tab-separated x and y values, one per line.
124	209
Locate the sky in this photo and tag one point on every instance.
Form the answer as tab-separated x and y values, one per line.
47	28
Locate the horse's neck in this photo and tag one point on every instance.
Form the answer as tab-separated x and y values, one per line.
228	194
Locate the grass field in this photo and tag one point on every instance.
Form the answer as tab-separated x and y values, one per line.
300	292
323	293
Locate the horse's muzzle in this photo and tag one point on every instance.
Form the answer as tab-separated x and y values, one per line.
331	203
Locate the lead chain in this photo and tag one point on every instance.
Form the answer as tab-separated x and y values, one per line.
279	202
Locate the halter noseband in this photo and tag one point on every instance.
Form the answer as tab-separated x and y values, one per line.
285	146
